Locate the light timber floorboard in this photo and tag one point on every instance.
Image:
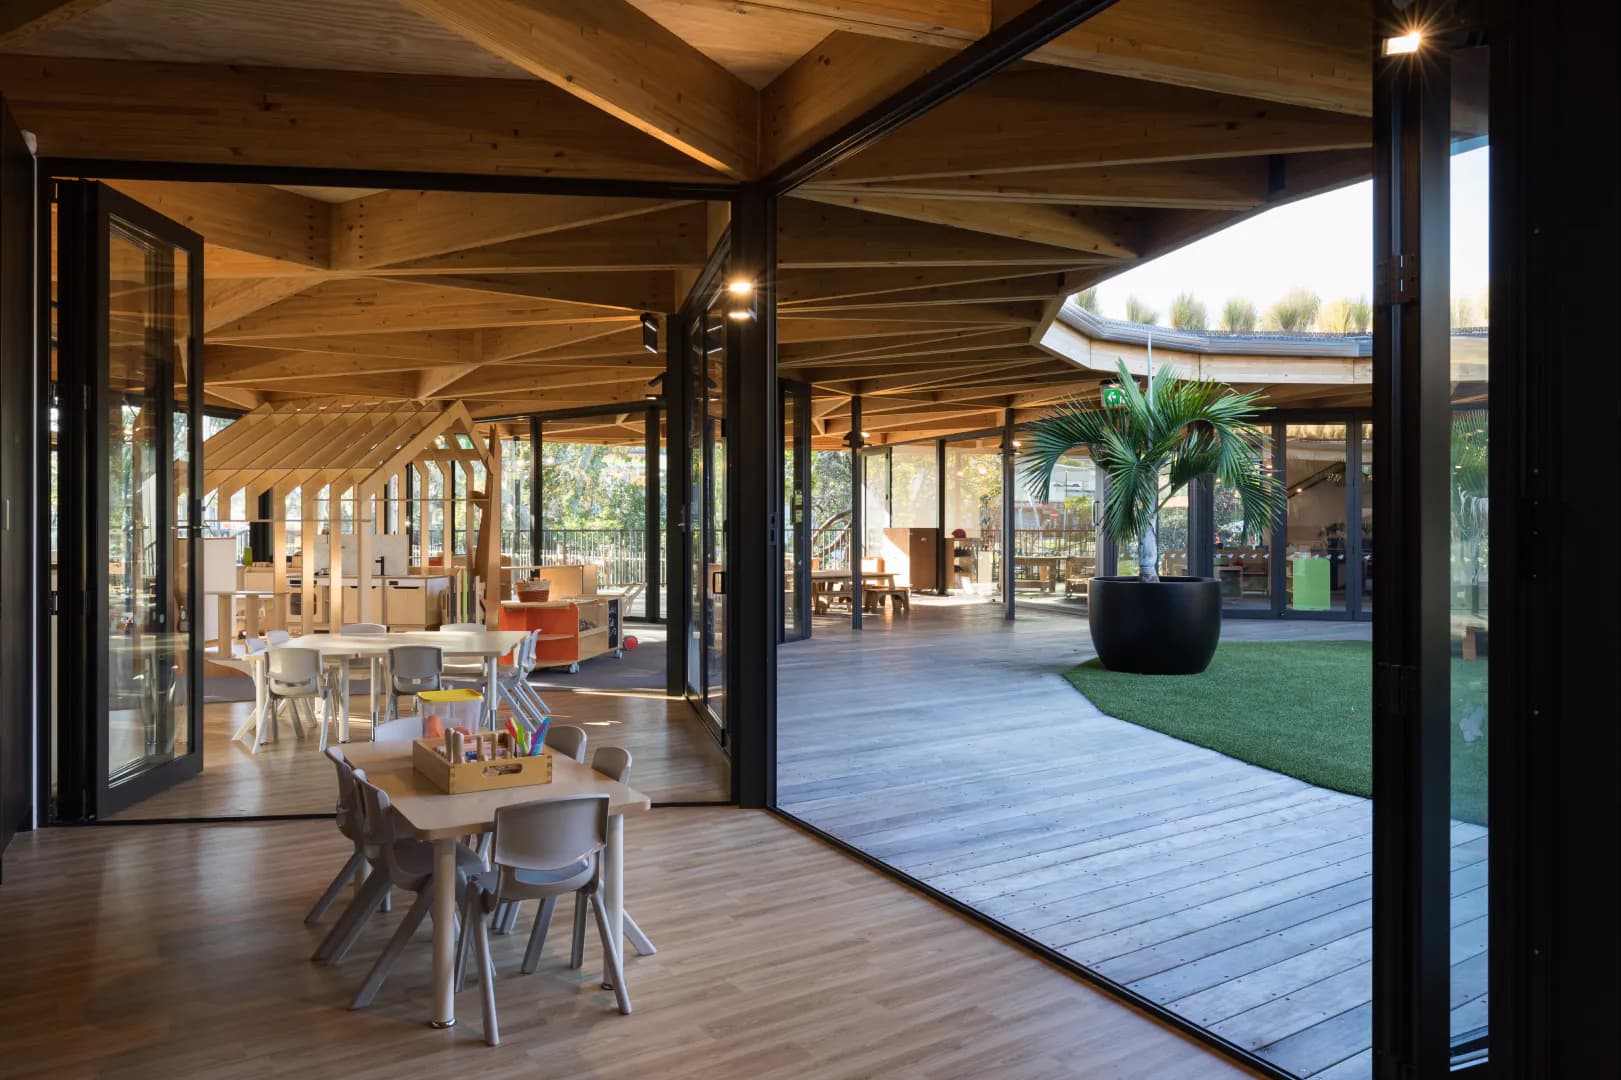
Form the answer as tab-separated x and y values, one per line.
947	744
172	950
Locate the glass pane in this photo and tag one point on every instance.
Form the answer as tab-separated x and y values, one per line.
974	516
715	523
1054	540
1367	518
1314	469
875	513
1470	546
147	554
1243	563
793	512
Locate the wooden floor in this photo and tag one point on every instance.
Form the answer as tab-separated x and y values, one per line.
171	951
674	757
947	745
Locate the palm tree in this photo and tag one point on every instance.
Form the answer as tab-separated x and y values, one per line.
1181	428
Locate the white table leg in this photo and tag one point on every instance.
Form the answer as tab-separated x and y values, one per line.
374	676
444	933
492	688
343	701
614	886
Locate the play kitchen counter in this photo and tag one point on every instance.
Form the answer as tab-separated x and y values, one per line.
570	630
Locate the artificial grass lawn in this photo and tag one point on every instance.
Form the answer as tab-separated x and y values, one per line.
1301	708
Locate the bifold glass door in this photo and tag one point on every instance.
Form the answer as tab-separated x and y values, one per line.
706	513
129	390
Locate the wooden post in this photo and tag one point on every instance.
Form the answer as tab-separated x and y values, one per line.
278	557
365	522
334	520
309	536
492	531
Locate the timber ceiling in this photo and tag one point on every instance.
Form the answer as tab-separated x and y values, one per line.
920	273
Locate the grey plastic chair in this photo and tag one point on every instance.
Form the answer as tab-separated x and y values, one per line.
411	670
278	637
541	851
614	763
350	825
513	679
293	678
363	628
364	668
396	863
568	741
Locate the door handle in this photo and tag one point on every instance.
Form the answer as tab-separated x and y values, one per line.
717	583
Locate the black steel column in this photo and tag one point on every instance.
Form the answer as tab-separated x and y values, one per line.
946	559
1108	552
677	497
650	544
536	436
1010	489
1202	527
754	504
858	491
1411	698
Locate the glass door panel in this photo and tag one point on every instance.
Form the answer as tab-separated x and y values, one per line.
130	312
973	523
1470	552
1243	562
715	480
1315	541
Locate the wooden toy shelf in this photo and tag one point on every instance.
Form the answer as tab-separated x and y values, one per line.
562	642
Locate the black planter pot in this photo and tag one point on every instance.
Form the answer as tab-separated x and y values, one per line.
1165	627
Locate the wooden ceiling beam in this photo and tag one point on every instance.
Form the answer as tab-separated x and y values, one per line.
255	218
1007	290
236	115
1111	233
808	353
801	287
1215	184
813	236
417	348
943	22
393	227
668	239
846	74
619	59
635	290
230	364
376	306
1296	52
23	19
513	344
226	302
1037	117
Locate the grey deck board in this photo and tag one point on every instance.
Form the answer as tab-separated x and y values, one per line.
948	745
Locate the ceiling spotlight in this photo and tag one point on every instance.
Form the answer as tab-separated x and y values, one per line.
1403	44
740	299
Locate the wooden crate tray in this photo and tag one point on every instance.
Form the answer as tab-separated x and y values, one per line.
428	758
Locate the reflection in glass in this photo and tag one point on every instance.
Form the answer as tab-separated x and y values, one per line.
973	522
1054	536
1470	548
148	547
1243	563
1315	541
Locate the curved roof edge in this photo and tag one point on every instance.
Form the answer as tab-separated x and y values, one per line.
1216	343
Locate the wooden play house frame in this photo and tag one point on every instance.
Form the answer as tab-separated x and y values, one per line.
352	452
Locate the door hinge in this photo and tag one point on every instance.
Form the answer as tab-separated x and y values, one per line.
1396	279
1394	684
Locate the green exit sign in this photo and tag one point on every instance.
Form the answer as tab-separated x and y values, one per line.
1113	396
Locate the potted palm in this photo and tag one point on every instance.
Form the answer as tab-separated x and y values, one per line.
1150	447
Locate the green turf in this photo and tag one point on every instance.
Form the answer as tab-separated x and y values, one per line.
1302	708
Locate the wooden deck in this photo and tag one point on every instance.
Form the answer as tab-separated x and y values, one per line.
948	746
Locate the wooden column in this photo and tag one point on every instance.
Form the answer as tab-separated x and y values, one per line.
334	523
308	494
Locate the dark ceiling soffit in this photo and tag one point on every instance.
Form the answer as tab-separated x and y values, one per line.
297	176
1037	25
